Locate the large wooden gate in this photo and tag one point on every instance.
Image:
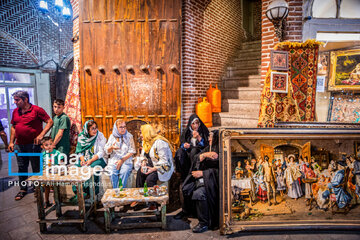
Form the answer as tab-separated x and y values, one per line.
130	62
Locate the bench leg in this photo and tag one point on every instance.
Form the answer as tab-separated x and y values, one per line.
107	219
57	201
40	206
163	217
82	209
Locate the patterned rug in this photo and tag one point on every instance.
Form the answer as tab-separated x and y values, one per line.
72	106
299	103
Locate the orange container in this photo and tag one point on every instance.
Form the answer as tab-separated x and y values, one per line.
216	100
197	105
205	113
209	93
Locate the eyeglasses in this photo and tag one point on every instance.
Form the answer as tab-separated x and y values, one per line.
122	127
93	128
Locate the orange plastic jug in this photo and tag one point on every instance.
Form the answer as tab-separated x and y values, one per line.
209	93
205	113
216	100
197	105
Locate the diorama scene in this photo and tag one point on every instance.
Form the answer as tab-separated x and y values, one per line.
295	180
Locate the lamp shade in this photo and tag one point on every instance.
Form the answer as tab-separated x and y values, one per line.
277	10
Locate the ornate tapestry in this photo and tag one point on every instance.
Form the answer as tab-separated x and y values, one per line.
72	106
299	103
344	108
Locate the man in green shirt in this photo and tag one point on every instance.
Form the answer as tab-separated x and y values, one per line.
61	129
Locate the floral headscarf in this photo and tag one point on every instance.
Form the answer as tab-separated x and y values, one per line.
85	142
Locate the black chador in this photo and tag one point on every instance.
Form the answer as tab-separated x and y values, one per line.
204	191
193	139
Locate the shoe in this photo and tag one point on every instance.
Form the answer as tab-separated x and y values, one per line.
47	205
20	195
133	204
200	228
180	215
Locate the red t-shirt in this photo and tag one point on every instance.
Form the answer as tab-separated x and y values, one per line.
29	124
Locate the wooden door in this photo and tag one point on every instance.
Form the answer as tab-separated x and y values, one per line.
130	63
306	151
267	150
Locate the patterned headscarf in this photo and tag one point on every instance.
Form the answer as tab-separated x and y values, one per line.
126	137
85	142
150	136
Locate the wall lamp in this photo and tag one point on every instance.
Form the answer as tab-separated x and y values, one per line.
276	12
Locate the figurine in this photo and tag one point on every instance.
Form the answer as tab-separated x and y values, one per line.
269	178
249	173
239	171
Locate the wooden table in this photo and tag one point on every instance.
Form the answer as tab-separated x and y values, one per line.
248	186
57	180
132	195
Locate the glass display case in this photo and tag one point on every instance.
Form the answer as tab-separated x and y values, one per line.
289	178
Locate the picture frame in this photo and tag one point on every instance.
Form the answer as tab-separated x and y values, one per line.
344	70
279	82
323	64
357	149
344	108
279	60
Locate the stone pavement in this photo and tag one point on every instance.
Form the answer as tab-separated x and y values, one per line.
18	221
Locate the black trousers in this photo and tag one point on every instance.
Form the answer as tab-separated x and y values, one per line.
23	162
183	160
202	209
150	179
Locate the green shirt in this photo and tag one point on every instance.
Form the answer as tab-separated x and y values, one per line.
62	122
53	155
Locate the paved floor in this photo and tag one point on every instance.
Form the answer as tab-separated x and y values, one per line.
18	221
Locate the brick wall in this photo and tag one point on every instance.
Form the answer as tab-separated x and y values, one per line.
27	33
212	33
293	31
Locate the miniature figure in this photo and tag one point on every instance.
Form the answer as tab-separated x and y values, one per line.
239	171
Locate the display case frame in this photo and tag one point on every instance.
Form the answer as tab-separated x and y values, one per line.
227	225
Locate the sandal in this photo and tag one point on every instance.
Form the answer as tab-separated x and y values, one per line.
133	204
20	195
47	205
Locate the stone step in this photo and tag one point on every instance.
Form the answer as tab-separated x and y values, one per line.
234	120
243	93
235	82
243	107
242	67
251	45
249	55
245	63
243	72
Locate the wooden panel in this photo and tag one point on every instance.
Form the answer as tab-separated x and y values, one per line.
122	33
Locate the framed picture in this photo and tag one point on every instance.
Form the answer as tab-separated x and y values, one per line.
279	82
279	60
344	108
345	70
357	149
323	65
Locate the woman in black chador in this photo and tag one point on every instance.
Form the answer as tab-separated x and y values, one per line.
193	139
202	186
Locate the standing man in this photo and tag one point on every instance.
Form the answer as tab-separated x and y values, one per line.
269	179
27	120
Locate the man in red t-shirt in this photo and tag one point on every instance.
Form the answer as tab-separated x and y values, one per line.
27	120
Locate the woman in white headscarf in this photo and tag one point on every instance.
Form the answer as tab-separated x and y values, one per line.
121	148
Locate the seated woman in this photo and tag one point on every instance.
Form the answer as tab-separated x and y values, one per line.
205	178
121	148
158	152
90	148
193	139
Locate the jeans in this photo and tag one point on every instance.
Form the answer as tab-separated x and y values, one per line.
23	162
123	173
